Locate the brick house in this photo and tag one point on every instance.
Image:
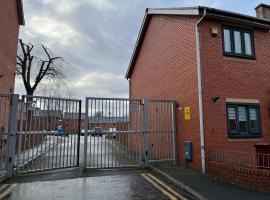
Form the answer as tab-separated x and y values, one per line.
11	17
215	64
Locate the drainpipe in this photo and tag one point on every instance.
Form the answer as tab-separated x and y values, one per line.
200	90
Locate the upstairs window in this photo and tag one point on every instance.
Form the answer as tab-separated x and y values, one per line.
238	42
243	120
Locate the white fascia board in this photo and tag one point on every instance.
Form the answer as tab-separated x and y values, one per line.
173	11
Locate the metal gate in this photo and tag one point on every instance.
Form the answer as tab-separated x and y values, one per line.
48	135
124	132
43	133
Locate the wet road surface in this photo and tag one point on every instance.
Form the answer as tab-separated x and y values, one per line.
101	153
114	187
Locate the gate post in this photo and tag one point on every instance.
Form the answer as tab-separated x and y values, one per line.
85	134
11	137
145	118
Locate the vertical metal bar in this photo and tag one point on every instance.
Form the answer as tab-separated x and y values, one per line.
30	134
166	130
117	117
94	146
79	132
25	132
34	138
163	130
106	134
65	112
156	125
151	130
101	143
99	125
11	139
20	137
71	132
59	114
145	117
85	133
113	111
122	123
49	121
174	130
61	108
68	133
129	135
141	139
44	133
109	137
135	120
38	135
55	123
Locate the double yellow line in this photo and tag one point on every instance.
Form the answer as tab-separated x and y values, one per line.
165	189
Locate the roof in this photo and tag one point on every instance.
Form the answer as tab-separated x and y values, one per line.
20	12
211	13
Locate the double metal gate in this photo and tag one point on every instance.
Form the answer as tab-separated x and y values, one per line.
43	133
124	132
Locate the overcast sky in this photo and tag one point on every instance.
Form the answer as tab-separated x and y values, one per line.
97	37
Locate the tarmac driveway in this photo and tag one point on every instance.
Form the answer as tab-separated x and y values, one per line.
113	187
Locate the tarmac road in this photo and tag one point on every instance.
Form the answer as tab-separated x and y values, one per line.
136	184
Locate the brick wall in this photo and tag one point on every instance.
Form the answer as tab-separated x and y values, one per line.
166	69
238	78
9	30
254	178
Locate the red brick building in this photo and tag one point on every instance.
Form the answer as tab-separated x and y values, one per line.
11	17
217	65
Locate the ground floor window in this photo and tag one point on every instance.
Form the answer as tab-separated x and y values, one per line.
243	120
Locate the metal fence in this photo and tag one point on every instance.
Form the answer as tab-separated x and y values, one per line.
48	135
4	120
244	159
161	131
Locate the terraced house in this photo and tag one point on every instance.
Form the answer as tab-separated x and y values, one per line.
216	65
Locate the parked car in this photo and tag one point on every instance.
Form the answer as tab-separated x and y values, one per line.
83	132
97	132
59	131
112	133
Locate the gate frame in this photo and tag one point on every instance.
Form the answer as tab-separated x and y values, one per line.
77	132
11	137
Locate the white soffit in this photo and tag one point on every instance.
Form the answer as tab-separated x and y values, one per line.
174	11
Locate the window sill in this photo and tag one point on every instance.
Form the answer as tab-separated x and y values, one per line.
241	57
244	138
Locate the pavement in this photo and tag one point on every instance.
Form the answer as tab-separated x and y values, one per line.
207	187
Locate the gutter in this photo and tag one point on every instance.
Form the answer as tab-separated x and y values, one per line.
20	12
199	72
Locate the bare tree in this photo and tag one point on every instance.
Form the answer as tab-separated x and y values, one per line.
37	64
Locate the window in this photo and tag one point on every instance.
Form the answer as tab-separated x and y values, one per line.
243	120
238	42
